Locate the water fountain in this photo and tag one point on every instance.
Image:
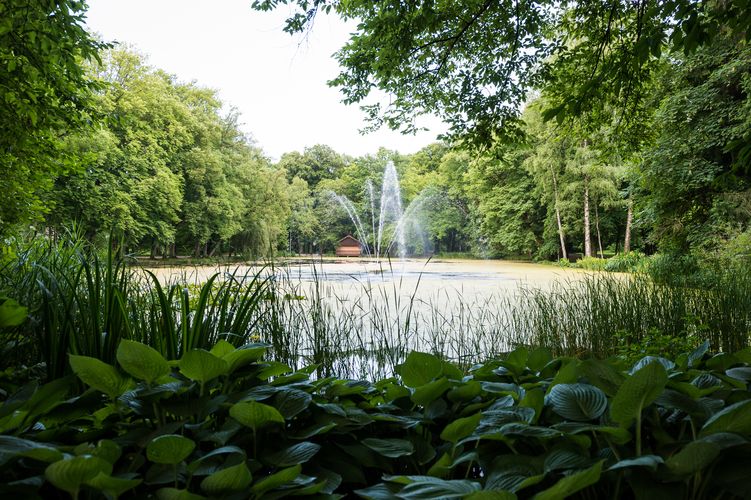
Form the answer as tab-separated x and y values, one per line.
386	231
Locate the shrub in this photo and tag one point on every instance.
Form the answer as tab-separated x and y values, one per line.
626	262
591	263
226	423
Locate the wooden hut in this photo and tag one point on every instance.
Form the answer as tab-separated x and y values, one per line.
348	247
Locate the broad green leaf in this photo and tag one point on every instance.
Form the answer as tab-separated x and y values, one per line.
602	374
222	348
538	358
461	428
202	366
291	402
70	474
243	356
112	486
572	483
735	418
296	454
563	459
647	360
579	402
255	415
99	375
637	392
426	394
431	487
419	368
224	450
280	478
694	457
175	494
12	447
230	480
390	447
170	449
12	313
141	361
491	495
467	391
649	461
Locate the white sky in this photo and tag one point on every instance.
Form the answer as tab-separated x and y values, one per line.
277	81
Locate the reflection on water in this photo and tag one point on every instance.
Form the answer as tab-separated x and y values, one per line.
361	318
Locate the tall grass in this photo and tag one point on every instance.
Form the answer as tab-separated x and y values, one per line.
82	302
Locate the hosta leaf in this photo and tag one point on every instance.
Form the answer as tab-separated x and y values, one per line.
647	360
224	450
99	375
389	447
378	492
694	457
276	480
491	495
426	394
438	488
742	373
291	402
735	418
175	494
70	474
230	480
603	375
580	402
11	447
221	348
638	391
169	449
296	454
255	415
112	486
564	459
244	355
202	366
460	428
467	391
572	483
419	368
141	361
513	477
531	431
649	461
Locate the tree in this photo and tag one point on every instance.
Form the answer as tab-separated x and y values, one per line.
44	93
473	62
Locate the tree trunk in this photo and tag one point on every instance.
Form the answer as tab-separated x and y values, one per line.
213	250
629	220
154	248
597	225
587	236
197	249
558	218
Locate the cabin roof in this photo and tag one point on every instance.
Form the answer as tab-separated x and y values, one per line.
349	239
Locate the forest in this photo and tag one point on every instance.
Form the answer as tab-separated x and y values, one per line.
610	135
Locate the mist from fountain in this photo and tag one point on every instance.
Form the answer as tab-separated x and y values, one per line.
387	219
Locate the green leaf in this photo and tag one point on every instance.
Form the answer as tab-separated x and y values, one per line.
244	355
426	394
141	361
175	494
291	402
649	461
12	447
579	402
255	415
694	457
296	454
202	366
284	476
222	348
572	483
169	449
12	313
735	418
419	368
230	480
563	459
70	474
467	391
390	447
637	392
112	486
99	375
461	428
430	487
491	495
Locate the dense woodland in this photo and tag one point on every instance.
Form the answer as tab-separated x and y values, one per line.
164	168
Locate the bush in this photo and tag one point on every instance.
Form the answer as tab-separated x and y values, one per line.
626	262
228	424
591	263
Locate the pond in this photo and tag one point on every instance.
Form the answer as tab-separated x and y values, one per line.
361	317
